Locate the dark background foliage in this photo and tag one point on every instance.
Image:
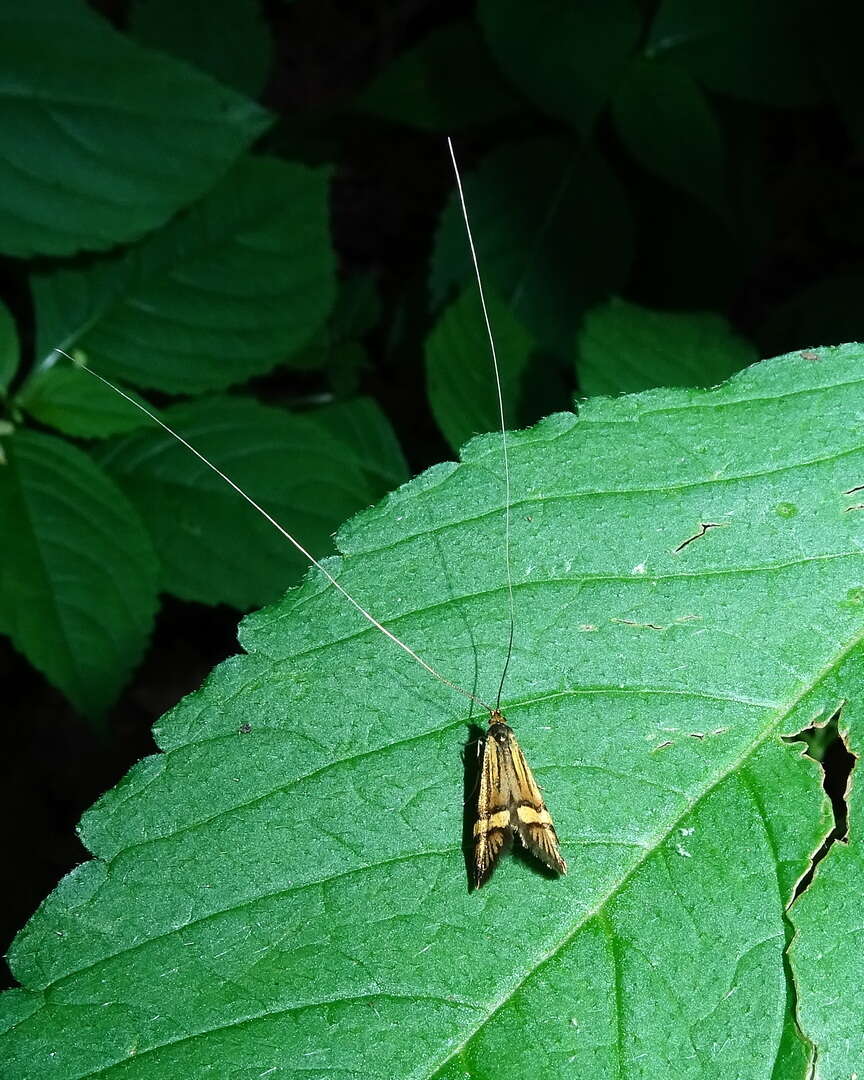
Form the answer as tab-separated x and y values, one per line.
712	155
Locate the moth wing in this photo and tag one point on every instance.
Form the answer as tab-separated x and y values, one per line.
493	828
531	819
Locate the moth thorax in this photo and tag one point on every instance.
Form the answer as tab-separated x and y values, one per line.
499	731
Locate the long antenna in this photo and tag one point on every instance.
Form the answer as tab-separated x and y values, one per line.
500	417
282	530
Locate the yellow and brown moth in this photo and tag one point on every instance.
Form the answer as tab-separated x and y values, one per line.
509	804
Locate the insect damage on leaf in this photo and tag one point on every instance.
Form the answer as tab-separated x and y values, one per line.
510	804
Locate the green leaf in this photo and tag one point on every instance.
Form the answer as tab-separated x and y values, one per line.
584	48
9	349
239	284
825	956
625	348
101	140
66	399
78	574
364	428
459	367
214	547
446	83
756	51
228	39
553	234
665	121
287	874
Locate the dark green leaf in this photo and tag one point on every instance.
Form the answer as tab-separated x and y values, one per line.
68	400
101	140
356	310
9	350
228	39
283	887
446	83
78	574
364	428
827	310
228	291
214	547
625	348
665	121
459	373
835	43
756	51
553	233
566	57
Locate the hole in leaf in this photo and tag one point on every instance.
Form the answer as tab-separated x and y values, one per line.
704	526
826	745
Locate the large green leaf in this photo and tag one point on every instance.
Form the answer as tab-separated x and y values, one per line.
554	234
102	140
241	282
625	348
77	573
282	888
214	547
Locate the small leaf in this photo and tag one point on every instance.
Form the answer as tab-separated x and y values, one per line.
555	229
665	121
446	83
584	50
625	348
756	51
213	546
9	349
228	39
133	135
78	574
459	366
70	401
239	284
287	874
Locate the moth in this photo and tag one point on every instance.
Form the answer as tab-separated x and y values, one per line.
509	804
